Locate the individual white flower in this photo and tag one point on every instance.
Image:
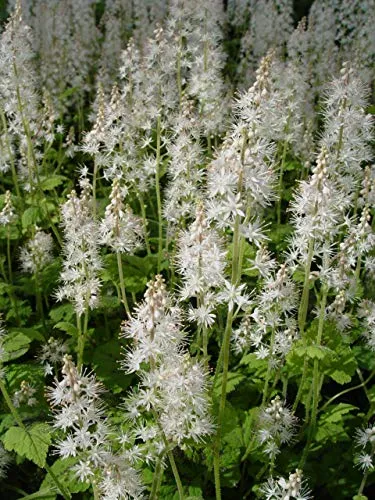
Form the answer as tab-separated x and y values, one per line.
203	315
254	232
83	470
365	436
234	295
263	262
365	461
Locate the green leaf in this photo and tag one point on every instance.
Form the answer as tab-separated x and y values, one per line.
336	412
67	327
233	380
340	376
45	494
31	333
62	313
136	271
195	493
254	364
343	366
32	443
135	284
331	423
51	182
15	345
364	356
30	217
106	363
315	351
15	373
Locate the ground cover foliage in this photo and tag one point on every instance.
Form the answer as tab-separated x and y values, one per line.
187	250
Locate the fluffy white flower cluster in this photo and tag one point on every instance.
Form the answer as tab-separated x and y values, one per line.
18	97
184	168
79	414
286	489
276	426
274	308
120	229
7	214
348	130
200	258
51	354
81	284
173	389
37	252
317	210
241	177
365	439
25	395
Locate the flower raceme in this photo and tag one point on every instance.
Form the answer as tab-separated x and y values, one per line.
87	435
82	262
173	389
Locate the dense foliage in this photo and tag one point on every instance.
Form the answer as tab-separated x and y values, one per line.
187	250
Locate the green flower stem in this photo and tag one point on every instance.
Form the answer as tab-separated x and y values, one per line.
302	315
236	273
316	378
9	256
217	443
157	479
144	220
280	188
302	312
205	346
95	491
39	300
249	448
178	70
122	284
225	348
269	368
10	293
166	444
80	344
176	474
94	188
158	193
20	423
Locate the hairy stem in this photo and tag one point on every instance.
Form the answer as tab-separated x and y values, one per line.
158	193
122	284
